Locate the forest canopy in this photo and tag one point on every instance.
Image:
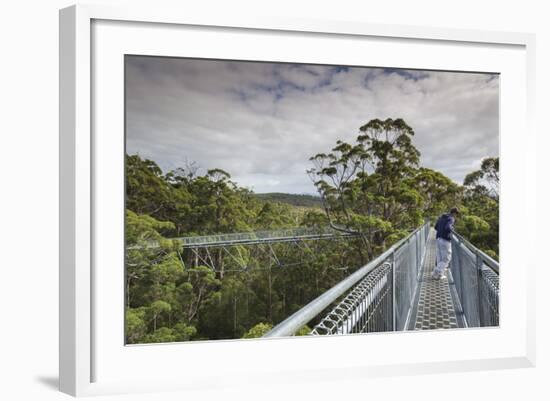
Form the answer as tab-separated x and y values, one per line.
374	187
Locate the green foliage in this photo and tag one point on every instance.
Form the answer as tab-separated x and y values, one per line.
136	326
491	253
481	207
143	228
184	332
291	199
303	331
274	215
258	330
486	180
474	224
162	335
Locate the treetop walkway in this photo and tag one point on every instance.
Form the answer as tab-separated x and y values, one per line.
393	292
262	237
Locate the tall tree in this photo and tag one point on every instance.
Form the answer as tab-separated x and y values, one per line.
368	187
480	223
486	179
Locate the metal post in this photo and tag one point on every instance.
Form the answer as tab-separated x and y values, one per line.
416	250
411	280
479	275
460	272
394	298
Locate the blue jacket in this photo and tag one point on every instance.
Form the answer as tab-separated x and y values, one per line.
444	226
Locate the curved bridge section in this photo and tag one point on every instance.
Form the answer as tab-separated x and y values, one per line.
262	237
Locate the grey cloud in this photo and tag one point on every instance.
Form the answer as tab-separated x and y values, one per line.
261	122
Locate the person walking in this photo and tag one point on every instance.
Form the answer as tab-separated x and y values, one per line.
444	228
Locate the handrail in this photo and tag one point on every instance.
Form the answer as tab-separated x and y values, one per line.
293	323
253	237
493	264
257	235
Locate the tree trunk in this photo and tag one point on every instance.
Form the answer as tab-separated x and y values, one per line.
128	292
220	263
284	298
234	317
247	310
269	316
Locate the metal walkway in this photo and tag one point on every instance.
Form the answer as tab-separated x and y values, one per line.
262	237
395	292
285	235
434	307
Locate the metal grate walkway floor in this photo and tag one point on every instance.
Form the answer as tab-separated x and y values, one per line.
434	308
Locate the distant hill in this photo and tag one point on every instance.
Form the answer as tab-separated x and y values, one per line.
292	199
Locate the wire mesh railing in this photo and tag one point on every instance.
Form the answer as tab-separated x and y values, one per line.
366	308
255	237
280	235
476	279
381	296
407	265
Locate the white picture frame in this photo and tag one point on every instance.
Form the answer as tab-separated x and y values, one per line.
88	366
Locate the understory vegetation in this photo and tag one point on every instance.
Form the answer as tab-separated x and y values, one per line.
374	187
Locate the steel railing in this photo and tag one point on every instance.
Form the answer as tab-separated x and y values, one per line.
368	307
268	236
381	296
476	279
255	237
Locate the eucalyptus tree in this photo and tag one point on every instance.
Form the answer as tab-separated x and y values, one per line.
486	179
368	187
438	191
480	223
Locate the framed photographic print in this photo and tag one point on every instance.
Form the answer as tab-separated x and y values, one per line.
337	195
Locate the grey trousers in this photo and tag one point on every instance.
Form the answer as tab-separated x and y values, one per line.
443	255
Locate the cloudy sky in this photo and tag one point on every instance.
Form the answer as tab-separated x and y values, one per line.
262	121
